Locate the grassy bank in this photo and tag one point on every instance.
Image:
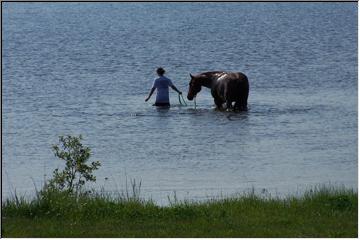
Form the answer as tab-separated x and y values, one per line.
324	212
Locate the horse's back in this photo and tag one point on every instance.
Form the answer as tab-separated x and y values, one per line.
234	80
237	76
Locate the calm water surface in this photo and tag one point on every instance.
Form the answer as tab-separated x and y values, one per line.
85	68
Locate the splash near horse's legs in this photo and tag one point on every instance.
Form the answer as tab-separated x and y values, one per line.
229	105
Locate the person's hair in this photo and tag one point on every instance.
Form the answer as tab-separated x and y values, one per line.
160	71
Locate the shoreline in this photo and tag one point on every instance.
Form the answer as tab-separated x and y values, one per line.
320	212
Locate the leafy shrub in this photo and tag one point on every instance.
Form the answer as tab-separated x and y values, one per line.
76	172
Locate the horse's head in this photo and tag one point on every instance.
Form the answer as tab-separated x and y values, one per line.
194	86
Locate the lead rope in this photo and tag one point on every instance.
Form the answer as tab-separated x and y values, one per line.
183	99
182	103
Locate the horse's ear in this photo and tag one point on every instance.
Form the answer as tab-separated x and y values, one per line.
191	76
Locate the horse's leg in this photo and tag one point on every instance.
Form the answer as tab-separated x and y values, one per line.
229	98
218	103
244	101
241	101
244	104
240	105
237	105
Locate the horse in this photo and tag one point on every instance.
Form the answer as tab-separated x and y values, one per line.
226	87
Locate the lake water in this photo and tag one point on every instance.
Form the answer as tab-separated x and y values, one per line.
86	68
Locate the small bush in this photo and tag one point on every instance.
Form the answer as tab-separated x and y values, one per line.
76	172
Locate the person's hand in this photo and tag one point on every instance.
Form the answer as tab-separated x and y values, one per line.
147	99
180	92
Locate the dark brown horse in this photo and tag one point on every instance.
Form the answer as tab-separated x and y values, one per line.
226	87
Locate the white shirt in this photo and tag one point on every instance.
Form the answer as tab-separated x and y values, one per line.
162	89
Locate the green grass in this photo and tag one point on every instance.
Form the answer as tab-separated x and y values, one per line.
323	212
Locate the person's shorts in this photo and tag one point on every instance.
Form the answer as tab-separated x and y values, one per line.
162	104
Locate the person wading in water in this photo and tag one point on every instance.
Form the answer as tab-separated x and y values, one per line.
162	84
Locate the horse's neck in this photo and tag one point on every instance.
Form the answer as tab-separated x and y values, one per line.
208	82
212	78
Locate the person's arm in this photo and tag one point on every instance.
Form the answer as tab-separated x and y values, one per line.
175	89
151	92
